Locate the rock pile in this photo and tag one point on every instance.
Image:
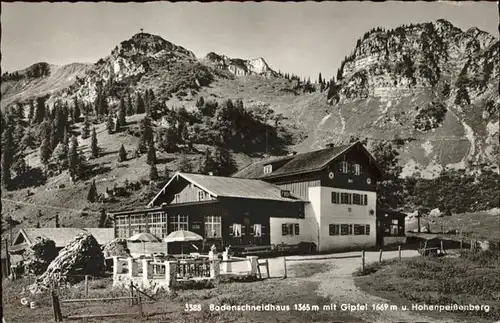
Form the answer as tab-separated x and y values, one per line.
38	257
82	256
116	247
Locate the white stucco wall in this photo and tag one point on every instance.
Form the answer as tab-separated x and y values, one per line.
330	213
308	228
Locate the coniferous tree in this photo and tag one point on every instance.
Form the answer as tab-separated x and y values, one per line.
146	133
224	162
147	103
92	194
54	139
18	134
94	148
151	157
208	164
153	173
117	126
31	111
86	128
73	159
185	165
45	151
130	105
28	141
76	110
110	124
122	154
140	106
122	121
40	112
8	151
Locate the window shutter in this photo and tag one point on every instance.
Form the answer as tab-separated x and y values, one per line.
366	199
263	233
231	230
242	230
284	229
297	232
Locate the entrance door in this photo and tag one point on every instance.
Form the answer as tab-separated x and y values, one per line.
247	238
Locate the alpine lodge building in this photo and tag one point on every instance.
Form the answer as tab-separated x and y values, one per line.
325	198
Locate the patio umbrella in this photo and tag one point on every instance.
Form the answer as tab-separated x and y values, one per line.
182	236
144	237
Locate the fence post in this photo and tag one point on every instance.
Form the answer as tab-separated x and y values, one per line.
170	273
284	267
461	243
54	306
380	256
215	270
471	244
139	301
442	248
267	268
131	293
399	252
86	285
363	261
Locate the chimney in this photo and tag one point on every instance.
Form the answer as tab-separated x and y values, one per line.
57	220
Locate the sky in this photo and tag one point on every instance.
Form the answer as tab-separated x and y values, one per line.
300	38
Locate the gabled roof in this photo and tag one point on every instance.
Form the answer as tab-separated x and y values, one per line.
63	236
219	186
300	163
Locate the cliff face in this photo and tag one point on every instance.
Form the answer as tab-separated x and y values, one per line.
240	67
430	83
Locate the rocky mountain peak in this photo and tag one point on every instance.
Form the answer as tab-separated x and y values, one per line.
148	45
240	67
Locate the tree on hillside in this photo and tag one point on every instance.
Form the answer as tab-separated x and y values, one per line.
18	134
224	162
28	141
45	152
200	103
151	157
31	111
390	186
94	148
76	110
19	166
208	164
8	151
92	194
40	110
74	159
140	106
122	154
110	124
153	173
86	128
185	164
103	217
146	134
122	121
130	106
54	138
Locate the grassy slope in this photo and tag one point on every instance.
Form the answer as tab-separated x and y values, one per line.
60	78
469	279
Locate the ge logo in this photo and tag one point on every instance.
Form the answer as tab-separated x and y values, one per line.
26	302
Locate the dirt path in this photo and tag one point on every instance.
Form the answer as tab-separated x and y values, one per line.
337	283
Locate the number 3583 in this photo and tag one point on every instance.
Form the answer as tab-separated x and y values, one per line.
192	307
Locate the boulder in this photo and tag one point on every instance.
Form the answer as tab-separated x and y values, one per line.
116	248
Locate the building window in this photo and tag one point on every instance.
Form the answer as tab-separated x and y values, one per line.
394	227
178	222
121	224
203	196
235	229
335	197
157	224
268	169
345	167
357	169
359	229
343	198
177	198
334	229
213	226
356	199
290	229
257	230
137	224
343	229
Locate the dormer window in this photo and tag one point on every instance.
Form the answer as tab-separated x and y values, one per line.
345	167
357	169
202	195
268	169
